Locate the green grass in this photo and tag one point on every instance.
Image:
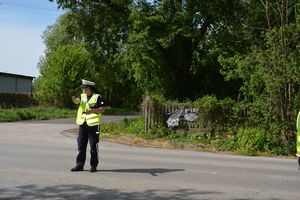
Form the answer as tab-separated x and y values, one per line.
120	111
180	139
43	113
125	127
34	113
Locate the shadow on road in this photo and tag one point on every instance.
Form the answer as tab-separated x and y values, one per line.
86	192
152	171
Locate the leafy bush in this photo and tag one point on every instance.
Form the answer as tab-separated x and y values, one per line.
60	77
119	111
160	131
198	138
16	100
110	129
207	103
226	143
158	97
126	126
285	150
135	126
252	140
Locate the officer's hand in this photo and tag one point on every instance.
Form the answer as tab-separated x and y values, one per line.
89	111
75	100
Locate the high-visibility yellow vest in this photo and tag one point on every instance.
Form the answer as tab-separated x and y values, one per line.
298	135
91	119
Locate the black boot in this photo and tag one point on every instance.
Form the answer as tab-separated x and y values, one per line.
77	169
93	169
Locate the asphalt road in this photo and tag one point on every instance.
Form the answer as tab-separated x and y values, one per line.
35	162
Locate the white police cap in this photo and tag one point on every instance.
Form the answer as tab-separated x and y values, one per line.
86	83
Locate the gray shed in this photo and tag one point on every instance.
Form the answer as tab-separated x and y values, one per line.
15	83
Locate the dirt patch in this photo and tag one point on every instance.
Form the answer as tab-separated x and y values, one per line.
139	141
134	140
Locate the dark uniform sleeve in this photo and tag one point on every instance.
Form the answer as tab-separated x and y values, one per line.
99	103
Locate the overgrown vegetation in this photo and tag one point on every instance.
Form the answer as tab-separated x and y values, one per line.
126	126
120	111
35	113
243	54
246	141
43	113
11	100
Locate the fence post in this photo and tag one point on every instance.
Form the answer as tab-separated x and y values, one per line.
149	105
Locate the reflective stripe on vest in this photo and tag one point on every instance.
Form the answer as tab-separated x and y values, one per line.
298	135
92	119
298	144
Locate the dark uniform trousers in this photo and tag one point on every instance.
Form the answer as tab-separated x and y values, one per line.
91	134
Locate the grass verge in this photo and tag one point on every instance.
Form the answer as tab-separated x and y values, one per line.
120	111
131	132
44	113
34	113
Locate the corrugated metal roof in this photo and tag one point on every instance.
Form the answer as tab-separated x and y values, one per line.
16	75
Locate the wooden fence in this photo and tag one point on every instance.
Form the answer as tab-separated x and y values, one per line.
217	120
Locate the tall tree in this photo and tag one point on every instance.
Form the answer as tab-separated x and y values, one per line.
61	74
161	42
269	66
67	35
104	25
164	50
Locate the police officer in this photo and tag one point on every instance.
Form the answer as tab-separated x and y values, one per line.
298	139
91	106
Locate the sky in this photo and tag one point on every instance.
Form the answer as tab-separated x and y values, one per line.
22	23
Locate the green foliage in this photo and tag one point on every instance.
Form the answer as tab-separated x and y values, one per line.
198	50
160	131
70	57
253	140
135	127
285	150
61	75
64	32
247	141
17	100
268	69
119	111
34	113
225	143
111	129
198	138
126	126
159	98
164	46
207	103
